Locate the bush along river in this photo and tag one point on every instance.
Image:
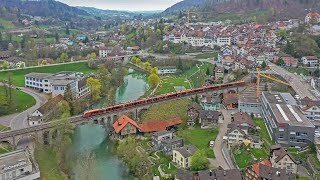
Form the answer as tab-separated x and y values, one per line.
93	138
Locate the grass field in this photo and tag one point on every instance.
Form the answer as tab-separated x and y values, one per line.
259	153
5	148
243	159
206	56
23	100
200	138
48	163
18	75
303	178
263	132
299	70
6	24
167	110
198	79
4	128
168	83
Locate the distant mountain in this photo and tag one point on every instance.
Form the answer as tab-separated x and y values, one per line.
95	11
185	4
44	8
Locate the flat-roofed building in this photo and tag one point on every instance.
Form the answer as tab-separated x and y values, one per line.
18	165
249	104
284	121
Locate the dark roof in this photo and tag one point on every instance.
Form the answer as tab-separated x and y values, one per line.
280	152
233	174
195	106
242	117
230	98
209	114
173	139
50	104
236	128
82	82
184	175
206	175
187	151
160	133
272	173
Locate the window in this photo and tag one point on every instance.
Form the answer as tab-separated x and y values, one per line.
13	173
281	136
281	129
21	171
56	88
62	88
297	133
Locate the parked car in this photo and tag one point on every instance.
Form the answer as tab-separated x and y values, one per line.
18	88
211	143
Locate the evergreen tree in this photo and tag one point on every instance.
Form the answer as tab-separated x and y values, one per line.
67	30
86	40
56	37
68	96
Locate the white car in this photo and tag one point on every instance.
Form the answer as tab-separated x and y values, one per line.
211	143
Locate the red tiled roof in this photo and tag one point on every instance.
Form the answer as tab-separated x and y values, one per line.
152	126
122	122
256	166
230	98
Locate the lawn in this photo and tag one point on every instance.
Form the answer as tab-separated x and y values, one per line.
259	153
198	76
18	75
303	178
167	110
263	132
206	56
243	159
23	100
5	148
4	24
4	128
200	138
48	164
299	70
168	83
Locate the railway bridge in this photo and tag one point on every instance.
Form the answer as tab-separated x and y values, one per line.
45	132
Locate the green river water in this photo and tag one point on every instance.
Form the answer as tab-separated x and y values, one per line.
93	137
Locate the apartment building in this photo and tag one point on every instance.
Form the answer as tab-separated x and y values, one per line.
280	158
104	51
284	121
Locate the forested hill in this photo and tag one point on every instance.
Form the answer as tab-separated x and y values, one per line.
273	8
44	8
186	4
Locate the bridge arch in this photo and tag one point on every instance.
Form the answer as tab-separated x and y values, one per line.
7	141
25	139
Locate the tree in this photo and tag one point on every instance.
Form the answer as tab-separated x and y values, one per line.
5	65
208	71
263	65
199	160
95	88
317	72
87	162
93	55
280	62
86	40
104	78
153	80
67	30
56	37
68	96
63	57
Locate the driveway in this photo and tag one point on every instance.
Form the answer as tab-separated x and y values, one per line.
220	157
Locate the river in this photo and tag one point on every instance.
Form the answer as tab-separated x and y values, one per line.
93	137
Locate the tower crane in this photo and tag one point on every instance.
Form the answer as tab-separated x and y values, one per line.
268	77
193	12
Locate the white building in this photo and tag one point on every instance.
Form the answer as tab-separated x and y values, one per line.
104	51
167	70
310	61
18	165
223	40
310	16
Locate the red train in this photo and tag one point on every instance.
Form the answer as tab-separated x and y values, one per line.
160	98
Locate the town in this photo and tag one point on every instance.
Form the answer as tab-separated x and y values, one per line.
87	93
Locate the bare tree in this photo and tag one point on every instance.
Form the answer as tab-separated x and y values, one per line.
87	166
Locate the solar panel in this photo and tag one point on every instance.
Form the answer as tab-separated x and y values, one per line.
282	113
294	113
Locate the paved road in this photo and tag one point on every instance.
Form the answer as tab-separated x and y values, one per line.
302	88
19	120
219	140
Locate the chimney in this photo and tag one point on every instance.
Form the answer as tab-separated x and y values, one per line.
210	173
278	173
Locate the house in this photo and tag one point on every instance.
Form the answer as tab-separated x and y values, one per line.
263	170
104	51
310	108
165	141
287	59
244	121
310	61
230	101
134	48
167	70
182	156
152	126
193	113
184	175
207	118
312	17
210	103
219	174
280	158
81	37
5	54
46	112
219	73
235	135
125	126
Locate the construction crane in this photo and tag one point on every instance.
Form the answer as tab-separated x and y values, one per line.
268	77
193	12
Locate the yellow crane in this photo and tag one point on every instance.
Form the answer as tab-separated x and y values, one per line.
268	77
193	12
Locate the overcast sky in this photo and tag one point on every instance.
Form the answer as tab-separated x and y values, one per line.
130	5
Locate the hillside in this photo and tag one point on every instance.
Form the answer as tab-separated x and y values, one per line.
270	9
49	8
95	11
186	4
